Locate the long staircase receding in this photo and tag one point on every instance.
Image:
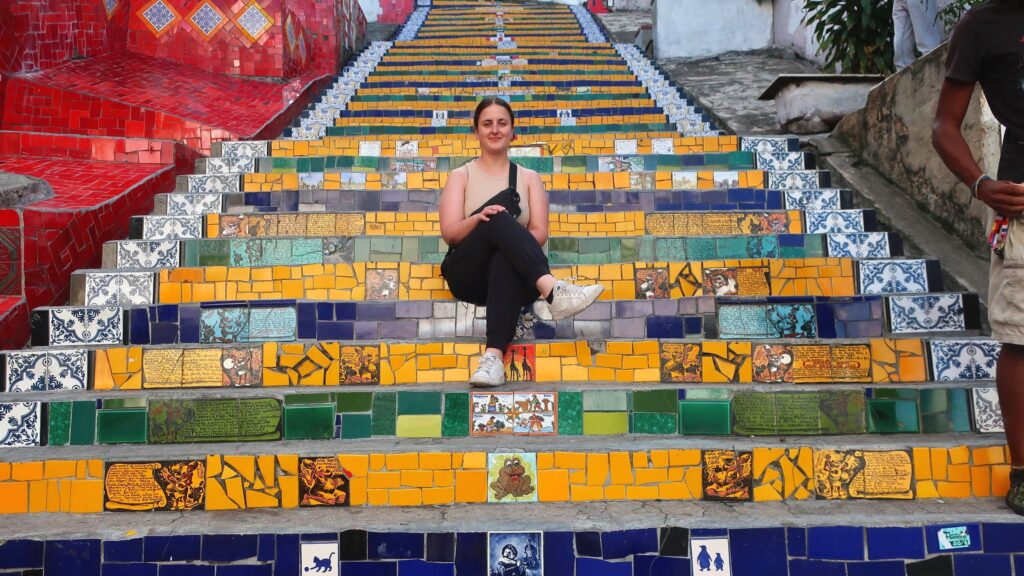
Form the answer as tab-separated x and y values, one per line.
767	375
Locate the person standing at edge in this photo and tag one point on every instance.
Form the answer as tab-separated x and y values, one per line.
494	218
916	25
988	48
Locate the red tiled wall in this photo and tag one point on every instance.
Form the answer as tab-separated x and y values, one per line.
40	34
395	11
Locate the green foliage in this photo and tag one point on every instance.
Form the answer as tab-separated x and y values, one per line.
855	35
951	14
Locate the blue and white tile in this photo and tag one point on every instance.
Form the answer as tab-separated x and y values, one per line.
765	144
244	149
859	245
793	180
710	553
119	288
231	165
823	199
20	424
77	326
148	254
663	146
834	221
171	227
893	276
193	204
319	558
926	313
214	183
39	371
954	360
780	161
988	418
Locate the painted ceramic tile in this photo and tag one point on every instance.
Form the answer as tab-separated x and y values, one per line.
320	558
721	282
370	148
987	415
728	179
860	474
680	362
684	180
834	221
231	165
620	164
859	245
241	366
271	324
964	359
780	160
143	486
171	227
193	204
525	152
793	180
20	424
764	144
323	482
213	183
311	181
512	477
893	276
51	370
118	288
407	148
359	365
710	555
381	284
926	313
652	283
493	414
813	200
727	475
625	147
521	363
76	326
244	149
148	254
515	553
663	146
223	325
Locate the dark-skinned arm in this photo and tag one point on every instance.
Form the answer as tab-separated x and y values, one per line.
1006	198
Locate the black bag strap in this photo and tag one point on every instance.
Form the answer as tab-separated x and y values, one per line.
513	173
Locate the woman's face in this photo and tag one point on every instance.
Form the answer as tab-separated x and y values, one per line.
494	129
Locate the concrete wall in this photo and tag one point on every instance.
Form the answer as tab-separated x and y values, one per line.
893	134
788	31
621	5
696	28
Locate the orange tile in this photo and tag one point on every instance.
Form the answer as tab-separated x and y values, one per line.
86	496
552	485
27	471
581	493
405	497
471	485
13	497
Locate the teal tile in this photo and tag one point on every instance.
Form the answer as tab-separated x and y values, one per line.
655	423
354	401
419	403
732	247
945	411
309	422
456	415
704	417
123	426
570	413
594	245
384	406
892	416
700	249
670	249
663	401
355	426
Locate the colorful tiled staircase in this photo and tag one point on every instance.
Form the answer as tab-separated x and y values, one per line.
760	342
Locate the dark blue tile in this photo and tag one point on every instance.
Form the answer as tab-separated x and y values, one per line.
595	567
796	542
675	566
352	545
801	567
708	532
138	327
694	325
324	311
319	537
166	333
345	311
422	568
187	570
978	564
623	543
759	551
78	557
133	569
967	534
893	543
245	570
266	552
167	313
122	550
1018	564
887	568
588	544
188	323
289	555
1003	537
334	330
471	553
642	564
229	547
558	553
394	545
835	543
370	569
440	547
936	566
305	319
172	548
21	554
665	327
674	541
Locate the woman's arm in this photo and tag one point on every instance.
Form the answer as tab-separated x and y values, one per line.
451	209
538	224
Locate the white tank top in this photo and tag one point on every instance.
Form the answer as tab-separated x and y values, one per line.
480	188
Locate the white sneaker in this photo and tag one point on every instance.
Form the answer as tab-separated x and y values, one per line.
568	300
490	372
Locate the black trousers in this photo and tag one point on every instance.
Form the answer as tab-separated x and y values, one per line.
497	265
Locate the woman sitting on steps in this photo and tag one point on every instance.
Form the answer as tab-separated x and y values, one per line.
494	218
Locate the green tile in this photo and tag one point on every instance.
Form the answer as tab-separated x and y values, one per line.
58	425
704	417
176	421
83	423
418	426
123	426
456	415
354	401
663	401
753	413
945	411
700	249
670	249
299	399
309	422
733	247
419	403
355	426
594	245
383	414
598	423
708	394
842	411
797	413
118	403
655	423
570	413
892	416
605	400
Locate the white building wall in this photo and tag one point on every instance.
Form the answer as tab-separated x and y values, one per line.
789	31
699	28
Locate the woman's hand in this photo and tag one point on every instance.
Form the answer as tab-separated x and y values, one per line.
1004	197
488	211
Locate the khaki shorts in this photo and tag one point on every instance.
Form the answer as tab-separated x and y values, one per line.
1006	288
